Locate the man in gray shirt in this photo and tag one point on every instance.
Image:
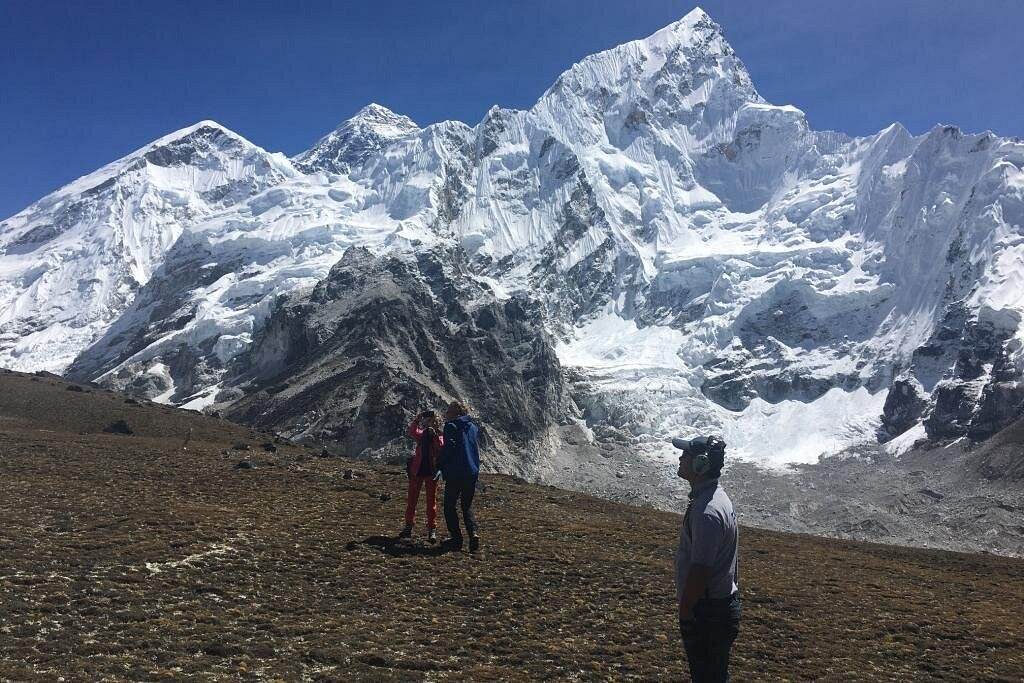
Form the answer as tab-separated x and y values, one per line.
706	561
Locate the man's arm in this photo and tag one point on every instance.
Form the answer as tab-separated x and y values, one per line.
707	534
696	583
415	431
447	448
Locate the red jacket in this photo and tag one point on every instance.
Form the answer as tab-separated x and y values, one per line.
433	448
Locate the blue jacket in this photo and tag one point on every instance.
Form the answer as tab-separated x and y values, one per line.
460	455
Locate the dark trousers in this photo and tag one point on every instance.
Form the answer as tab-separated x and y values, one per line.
458	491
709	637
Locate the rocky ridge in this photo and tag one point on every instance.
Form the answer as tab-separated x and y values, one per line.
382	338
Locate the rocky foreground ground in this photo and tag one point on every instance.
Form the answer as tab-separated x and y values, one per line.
195	548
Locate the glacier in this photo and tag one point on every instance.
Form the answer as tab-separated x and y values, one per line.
704	259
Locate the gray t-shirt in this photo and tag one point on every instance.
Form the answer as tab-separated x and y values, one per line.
709	536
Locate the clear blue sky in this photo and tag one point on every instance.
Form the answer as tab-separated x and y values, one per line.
83	83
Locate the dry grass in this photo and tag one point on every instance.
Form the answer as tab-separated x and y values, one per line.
126	557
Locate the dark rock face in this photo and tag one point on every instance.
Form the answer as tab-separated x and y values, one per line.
734	386
952	407
382	338
905	404
1001	403
934	358
982	393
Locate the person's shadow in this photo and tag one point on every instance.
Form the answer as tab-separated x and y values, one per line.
397	547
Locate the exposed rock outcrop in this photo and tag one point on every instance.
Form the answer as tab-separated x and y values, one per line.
905	404
381	338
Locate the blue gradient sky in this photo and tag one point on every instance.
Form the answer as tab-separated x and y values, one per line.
82	84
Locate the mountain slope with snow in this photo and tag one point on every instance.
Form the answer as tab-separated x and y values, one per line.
72	262
706	259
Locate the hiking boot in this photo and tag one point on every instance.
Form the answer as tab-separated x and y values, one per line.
474	543
406	532
452	544
432	535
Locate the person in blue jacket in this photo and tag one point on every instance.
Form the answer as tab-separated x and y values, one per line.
460	465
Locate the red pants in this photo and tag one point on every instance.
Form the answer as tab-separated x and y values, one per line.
413	496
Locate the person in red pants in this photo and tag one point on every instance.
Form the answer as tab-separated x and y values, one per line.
422	470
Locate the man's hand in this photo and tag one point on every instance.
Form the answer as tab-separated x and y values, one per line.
685	613
696	581
686	622
685	619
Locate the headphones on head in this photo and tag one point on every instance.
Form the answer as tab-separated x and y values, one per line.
708	453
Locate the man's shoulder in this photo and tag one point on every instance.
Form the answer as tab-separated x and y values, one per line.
721	497
719	503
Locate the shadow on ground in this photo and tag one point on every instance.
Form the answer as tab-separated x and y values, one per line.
397	547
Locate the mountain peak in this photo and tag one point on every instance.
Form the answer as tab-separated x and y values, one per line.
376	111
206	128
697	13
694	18
685	67
381	119
371	129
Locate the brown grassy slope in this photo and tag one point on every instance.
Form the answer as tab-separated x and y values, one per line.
127	557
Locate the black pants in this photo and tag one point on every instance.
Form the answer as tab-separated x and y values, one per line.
709	637
459	491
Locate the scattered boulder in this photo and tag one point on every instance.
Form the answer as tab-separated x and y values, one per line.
245	465
119	427
63	522
74	387
217	649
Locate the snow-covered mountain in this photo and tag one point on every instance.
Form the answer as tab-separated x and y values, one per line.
350	145
71	263
704	258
